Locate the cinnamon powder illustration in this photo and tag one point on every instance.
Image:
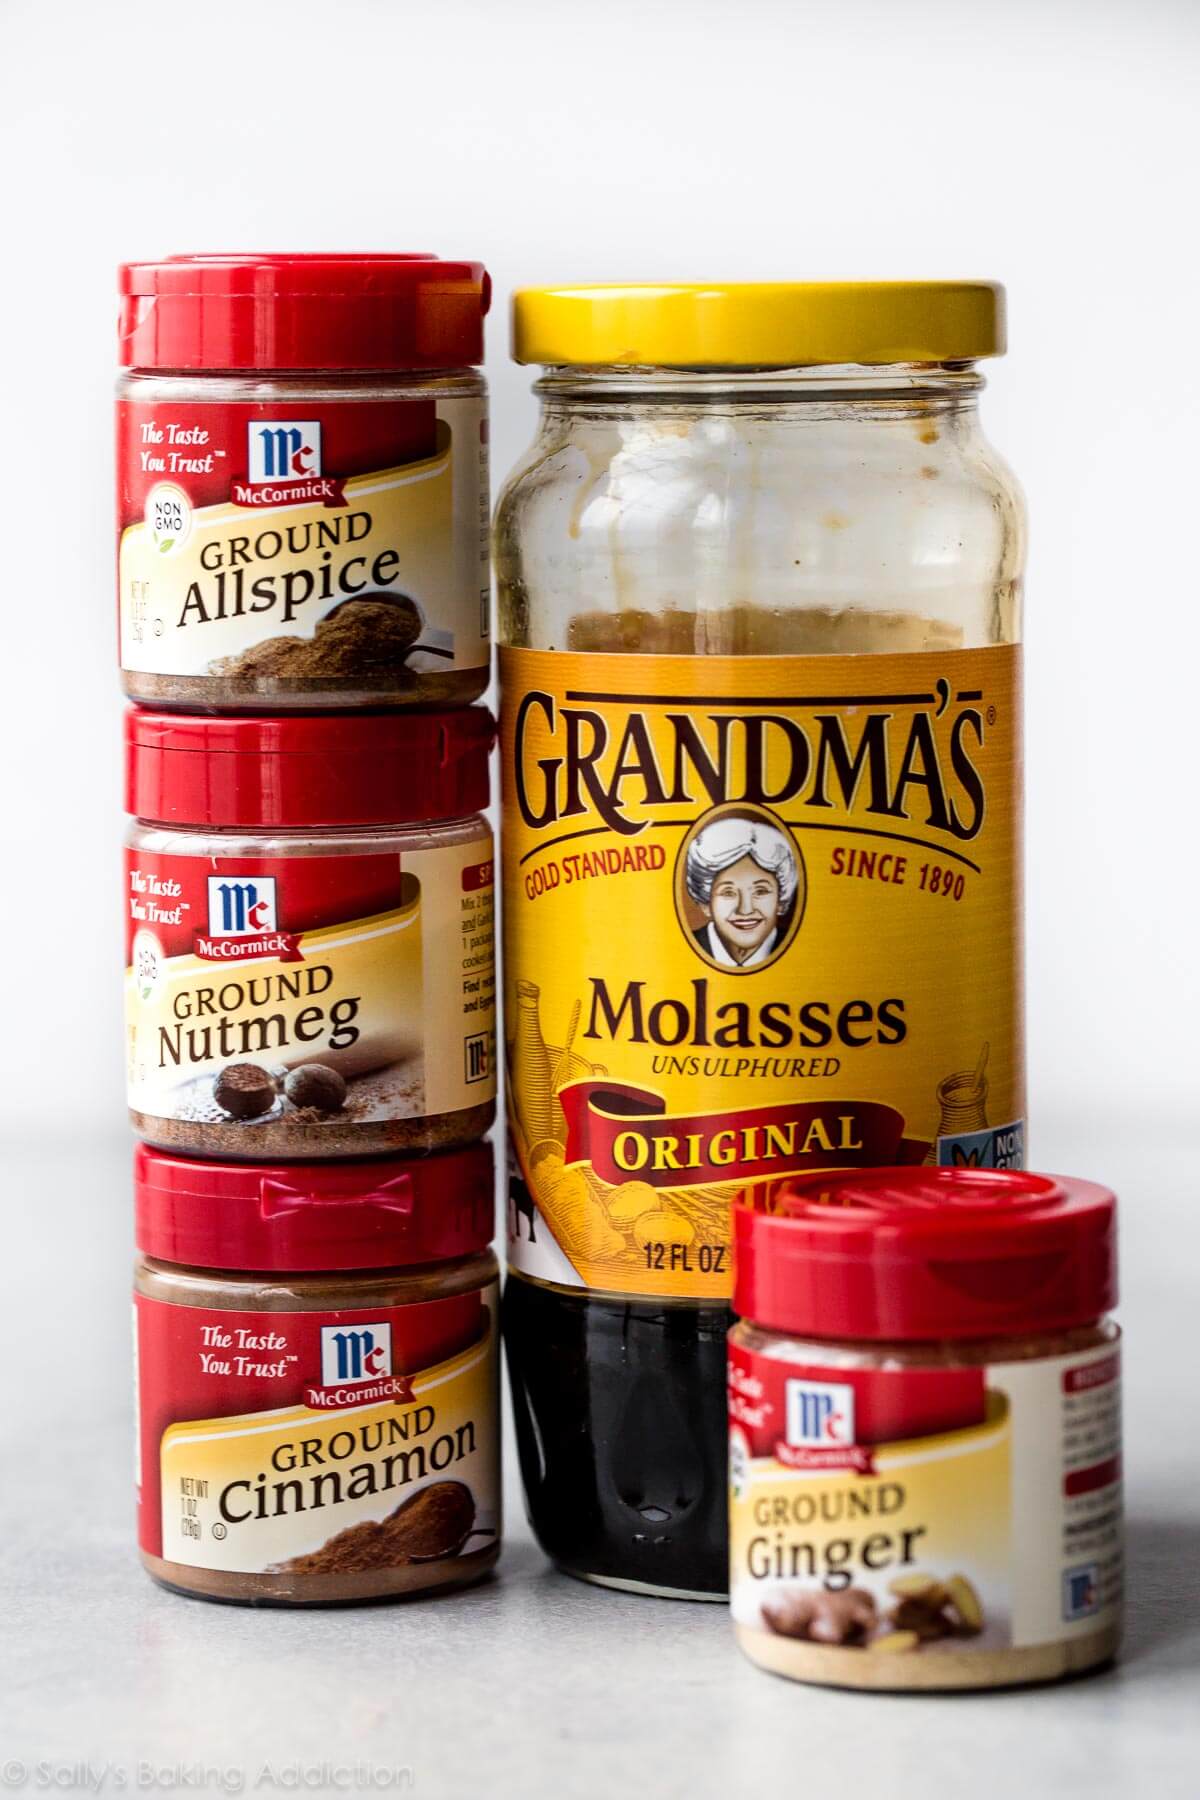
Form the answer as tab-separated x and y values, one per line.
433	1523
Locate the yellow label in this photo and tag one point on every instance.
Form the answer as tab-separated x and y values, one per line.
762	915
1003	1533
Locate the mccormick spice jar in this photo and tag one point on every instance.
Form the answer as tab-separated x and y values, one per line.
325	1428
302	485
925	1432
309	933
760	582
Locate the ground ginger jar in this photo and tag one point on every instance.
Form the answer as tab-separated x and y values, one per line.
759	586
316	1359
302	482
309	933
925	1429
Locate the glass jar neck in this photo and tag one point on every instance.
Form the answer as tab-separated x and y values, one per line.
923	386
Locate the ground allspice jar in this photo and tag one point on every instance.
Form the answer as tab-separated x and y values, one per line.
309	933
302	487
326	1427
760	607
925	1429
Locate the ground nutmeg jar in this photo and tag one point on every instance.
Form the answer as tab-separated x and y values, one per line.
309	932
302	488
324	1428
925	1430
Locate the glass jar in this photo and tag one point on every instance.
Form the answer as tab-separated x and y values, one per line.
326	1427
925	1430
760	600
302	482
309	933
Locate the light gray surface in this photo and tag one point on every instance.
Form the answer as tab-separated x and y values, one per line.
532	1684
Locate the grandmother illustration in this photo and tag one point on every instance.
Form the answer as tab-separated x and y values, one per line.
742	874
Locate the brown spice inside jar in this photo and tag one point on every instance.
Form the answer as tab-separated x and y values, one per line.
297	1134
368	637
433	1523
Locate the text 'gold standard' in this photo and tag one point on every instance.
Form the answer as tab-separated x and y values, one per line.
761	915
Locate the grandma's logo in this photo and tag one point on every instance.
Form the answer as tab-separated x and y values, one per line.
740	887
620	758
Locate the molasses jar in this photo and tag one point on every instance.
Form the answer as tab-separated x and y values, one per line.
760	594
302	482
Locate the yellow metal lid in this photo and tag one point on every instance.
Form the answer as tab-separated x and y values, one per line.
759	324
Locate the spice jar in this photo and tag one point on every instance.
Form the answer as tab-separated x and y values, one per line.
302	483
325	1428
925	1434
759	588
309	933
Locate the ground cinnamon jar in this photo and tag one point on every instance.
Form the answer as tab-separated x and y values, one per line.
324	1427
302	482
925	1433
309	932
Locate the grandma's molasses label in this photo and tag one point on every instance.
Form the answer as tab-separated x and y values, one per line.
762	915
320	1442
269	996
921	1512
301	543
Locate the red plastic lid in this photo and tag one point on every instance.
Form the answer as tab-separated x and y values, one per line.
927	1253
390	1213
312	769
302	312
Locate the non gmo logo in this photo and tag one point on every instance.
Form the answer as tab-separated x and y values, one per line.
820	1413
283	449
355	1353
241	908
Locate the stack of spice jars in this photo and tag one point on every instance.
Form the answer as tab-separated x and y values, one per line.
303	579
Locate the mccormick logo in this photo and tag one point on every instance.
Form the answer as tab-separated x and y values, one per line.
820	1429
283	463
242	922
283	449
241	908
354	1353
820	1413
356	1368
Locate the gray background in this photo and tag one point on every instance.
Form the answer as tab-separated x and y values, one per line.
1050	144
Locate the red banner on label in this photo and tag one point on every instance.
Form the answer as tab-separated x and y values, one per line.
626	1132
859	1457
284	946
304	490
360	1393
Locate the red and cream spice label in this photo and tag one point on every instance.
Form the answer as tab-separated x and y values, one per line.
308	1442
353	988
928	1510
251	536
